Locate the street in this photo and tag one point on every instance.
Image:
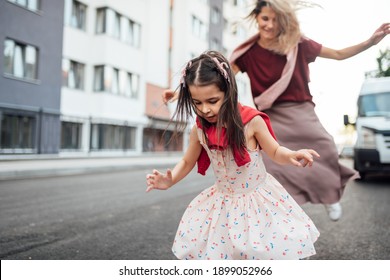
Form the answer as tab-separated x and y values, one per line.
109	216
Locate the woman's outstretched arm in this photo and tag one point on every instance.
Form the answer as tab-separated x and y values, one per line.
348	52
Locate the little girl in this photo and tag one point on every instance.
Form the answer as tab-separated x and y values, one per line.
246	214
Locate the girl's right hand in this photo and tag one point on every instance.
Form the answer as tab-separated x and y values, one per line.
303	157
169	96
158	180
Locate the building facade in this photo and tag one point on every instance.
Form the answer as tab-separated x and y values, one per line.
30	84
104	72
94	71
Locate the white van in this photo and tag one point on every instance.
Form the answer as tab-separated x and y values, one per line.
372	148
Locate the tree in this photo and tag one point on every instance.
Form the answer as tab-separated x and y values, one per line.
383	63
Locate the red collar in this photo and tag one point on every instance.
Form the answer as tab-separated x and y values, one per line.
220	142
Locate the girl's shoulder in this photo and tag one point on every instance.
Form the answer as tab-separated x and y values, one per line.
197	134
255	126
256	122
195	130
260	124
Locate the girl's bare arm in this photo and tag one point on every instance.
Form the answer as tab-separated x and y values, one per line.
163	181
277	153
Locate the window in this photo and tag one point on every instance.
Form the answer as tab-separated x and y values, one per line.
71	135
134	85
374	105
72	74
75	14
20	60
198	28
32	5
112	23
107	79
116	81
215	15
17	132
130	137
108	22
129	84
112	137
134	34
100	21
99	78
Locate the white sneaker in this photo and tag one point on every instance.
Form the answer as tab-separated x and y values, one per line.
334	211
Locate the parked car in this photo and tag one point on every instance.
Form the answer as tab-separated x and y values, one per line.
372	148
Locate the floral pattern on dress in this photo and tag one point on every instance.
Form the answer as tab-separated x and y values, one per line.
246	214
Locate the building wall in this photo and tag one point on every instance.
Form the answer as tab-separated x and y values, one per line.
38	98
172	32
86	46
216	25
236	30
185	44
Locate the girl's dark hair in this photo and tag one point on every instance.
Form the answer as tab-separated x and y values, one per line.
204	70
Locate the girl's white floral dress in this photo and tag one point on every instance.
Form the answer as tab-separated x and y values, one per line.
246	214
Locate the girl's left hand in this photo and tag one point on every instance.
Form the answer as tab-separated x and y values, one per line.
304	157
158	180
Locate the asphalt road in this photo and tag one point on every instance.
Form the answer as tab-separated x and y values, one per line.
109	216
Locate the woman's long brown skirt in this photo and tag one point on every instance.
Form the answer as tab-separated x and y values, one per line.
297	126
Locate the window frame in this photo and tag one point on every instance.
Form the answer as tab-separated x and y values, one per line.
28	5
18	132
75	68
118	26
18	66
75	14
112	137
75	135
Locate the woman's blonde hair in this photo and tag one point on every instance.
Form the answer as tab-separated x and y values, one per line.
290	32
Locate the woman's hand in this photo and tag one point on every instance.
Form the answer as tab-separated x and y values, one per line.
348	52
304	157
158	180
380	33
169	96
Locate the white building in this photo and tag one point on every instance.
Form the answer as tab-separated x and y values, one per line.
118	57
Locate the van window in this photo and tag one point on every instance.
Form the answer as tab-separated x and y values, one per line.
374	105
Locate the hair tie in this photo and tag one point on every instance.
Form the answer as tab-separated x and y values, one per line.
184	73
221	67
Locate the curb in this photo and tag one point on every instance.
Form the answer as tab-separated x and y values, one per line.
58	170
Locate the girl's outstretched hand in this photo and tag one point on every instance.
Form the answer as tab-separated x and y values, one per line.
169	96
158	180
380	33
304	157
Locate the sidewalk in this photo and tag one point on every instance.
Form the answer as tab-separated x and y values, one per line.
43	167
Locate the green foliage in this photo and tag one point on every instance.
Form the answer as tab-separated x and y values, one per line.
383	63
